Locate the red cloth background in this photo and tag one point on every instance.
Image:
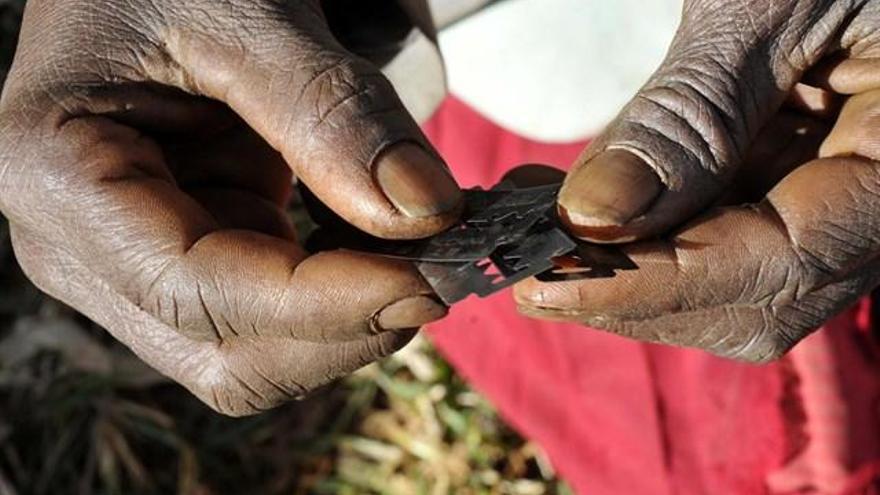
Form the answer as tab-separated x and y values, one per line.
621	417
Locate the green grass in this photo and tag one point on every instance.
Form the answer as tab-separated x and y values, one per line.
80	415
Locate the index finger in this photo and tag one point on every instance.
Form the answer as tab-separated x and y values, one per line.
745	282
103	192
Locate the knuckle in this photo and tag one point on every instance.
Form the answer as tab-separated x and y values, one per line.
768	340
828	209
229	389
38	269
781	327
762	348
715	88
20	168
119	39
684	119
816	261
765	350
192	306
828	249
339	88
223	401
7	161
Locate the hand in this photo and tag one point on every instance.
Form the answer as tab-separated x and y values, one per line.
746	107
146	158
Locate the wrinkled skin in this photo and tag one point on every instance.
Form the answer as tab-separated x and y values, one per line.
756	144
147	150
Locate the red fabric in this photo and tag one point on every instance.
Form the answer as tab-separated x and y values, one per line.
620	417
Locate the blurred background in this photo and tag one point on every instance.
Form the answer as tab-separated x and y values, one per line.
79	414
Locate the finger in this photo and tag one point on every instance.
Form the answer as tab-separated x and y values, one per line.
533	175
675	147
236	377
333	116
786	142
263	373
743	282
855	56
855	132
813	101
120	212
847	75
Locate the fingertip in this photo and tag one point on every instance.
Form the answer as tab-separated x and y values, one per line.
533	175
417	183
533	295
602	197
409	313
411	194
527	293
555	301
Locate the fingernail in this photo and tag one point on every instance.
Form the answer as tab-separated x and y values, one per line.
610	190
417	183
409	313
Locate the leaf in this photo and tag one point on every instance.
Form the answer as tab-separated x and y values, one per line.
379	451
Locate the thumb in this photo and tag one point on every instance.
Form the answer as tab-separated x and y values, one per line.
676	145
333	116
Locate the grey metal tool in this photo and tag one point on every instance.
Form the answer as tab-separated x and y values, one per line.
491	219
506	235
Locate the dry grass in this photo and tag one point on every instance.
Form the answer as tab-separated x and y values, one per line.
79	414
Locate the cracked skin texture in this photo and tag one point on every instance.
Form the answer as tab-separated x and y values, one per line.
743	180
147	149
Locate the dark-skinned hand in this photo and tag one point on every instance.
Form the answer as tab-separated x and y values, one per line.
147	150
748	168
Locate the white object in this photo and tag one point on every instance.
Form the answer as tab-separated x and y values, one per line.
417	75
556	70
446	12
